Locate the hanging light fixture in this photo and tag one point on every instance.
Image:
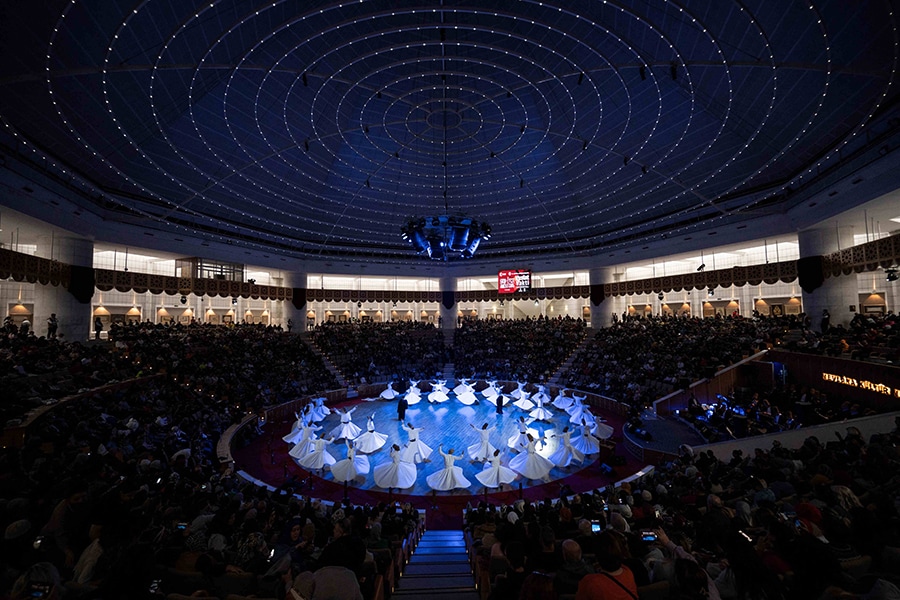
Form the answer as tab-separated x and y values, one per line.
443	237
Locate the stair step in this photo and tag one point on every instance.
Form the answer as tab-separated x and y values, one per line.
440	582
442	533
425	569
448	548
432	594
448	543
418	559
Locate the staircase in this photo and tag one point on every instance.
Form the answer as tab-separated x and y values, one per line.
328	364
449	372
438	569
554	379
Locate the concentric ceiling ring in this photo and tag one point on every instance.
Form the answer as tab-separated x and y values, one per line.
321	127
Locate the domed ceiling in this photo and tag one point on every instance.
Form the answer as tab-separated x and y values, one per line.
320	128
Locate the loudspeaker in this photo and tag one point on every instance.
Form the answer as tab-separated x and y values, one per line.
811	272
81	283
299	298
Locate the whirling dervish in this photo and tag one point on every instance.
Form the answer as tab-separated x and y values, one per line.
319	457
519	391
530	464
450	477
585	442
579	411
347	429
438	394
293	436
395	474
519	441
319	410
416	451
491	392
482	449
541	394
494	474
601	430
351	467
463	386
523	403
389	393
540	413
566	454
304	444
413	395
371	440
562	402
465	393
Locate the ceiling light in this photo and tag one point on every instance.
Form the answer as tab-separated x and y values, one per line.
443	237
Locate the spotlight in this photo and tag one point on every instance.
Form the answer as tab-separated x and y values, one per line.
251	281
184	299
359	305
660	296
892	273
701	267
710	292
234	301
441	237
536	303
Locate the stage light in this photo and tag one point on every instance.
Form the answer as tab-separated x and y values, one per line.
184	299
701	267
892	273
442	237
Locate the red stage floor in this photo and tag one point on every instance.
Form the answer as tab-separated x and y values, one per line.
266	458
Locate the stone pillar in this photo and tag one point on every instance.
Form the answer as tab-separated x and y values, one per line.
836	294
448	308
75	319
602	308
295	309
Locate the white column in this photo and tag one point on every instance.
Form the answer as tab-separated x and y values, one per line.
836	294
601	314
74	317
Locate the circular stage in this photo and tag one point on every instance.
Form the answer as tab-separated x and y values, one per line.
450	423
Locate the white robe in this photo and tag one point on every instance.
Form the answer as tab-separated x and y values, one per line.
530	464
371	440
566	454
482	449
347	429
494	474
416	451
395	474
448	478
319	458
389	393
351	467
519	441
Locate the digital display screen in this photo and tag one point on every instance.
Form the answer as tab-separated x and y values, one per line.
512	281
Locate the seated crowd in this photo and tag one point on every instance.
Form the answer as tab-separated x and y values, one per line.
527	349
122	483
818	521
367	352
641	359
